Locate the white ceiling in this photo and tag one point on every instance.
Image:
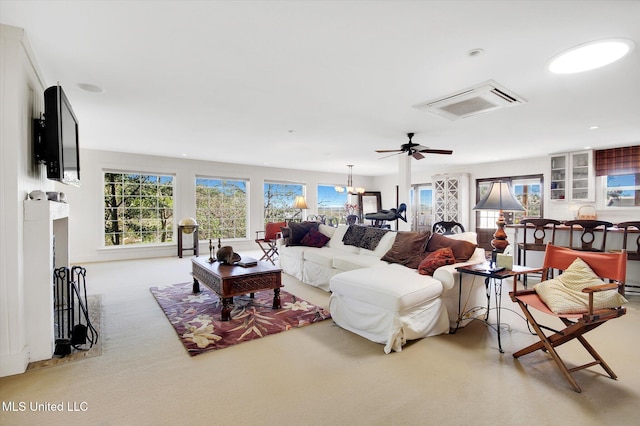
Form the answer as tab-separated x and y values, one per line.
317	85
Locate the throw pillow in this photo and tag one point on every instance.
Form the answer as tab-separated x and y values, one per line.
407	249
286	233
563	295
353	235
314	238
462	250
298	231
436	259
371	238
272	229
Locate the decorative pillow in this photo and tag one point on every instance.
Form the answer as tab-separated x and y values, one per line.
371	238
314	238
272	229
563	295
298	231
286	233
436	259
462	250
353	235
408	249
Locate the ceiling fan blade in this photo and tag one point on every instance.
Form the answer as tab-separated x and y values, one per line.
417	155
437	151
388	150
390	155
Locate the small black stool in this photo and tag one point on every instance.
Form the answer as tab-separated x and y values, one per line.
196	246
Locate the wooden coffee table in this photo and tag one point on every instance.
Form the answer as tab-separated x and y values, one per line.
233	280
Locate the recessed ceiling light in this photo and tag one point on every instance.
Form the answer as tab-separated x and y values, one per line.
475	52
594	127
590	55
87	87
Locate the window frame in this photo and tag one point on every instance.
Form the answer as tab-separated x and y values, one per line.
604	190
203	230
143	216
289	213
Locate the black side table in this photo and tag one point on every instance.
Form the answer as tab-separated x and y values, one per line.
485	270
195	248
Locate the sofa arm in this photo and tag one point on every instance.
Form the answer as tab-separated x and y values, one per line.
448	275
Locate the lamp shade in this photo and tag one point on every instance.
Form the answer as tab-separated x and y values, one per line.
499	197
300	203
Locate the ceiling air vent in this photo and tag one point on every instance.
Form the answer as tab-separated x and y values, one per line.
484	97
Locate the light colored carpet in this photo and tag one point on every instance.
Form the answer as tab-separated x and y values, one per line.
319	375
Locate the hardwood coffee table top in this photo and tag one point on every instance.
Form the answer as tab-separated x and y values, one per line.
224	270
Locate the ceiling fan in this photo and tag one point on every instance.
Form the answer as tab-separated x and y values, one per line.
414	149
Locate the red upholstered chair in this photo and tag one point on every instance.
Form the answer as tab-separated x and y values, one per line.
267	240
608	266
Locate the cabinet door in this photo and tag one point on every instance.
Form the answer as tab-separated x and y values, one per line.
582	188
559	176
572	177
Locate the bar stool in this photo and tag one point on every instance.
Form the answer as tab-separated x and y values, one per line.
587	238
632	247
447	228
540	238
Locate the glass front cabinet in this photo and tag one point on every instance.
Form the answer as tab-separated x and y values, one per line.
572	177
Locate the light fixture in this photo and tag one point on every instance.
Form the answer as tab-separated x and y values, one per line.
499	198
300	202
588	56
350	188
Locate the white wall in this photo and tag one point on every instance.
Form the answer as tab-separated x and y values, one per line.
552	209
87	203
21	90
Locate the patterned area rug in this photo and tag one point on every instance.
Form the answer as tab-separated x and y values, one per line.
196	317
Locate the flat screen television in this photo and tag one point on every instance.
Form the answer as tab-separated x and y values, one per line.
56	138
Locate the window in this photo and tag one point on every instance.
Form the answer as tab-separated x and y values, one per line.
138	209
528	191
623	190
278	201
221	208
332	203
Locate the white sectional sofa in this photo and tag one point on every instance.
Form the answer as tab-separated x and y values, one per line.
384	302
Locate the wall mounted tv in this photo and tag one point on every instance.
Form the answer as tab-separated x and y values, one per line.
56	138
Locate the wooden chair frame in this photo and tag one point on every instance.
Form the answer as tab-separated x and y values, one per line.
587	237
608	266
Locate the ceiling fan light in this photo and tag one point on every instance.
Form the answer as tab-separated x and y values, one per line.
590	56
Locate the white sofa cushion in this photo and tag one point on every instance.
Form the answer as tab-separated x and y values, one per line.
336	240
349	262
391	287
322	256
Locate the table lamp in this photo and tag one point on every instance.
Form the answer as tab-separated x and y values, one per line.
499	198
300	203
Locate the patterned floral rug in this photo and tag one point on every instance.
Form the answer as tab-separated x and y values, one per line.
196	317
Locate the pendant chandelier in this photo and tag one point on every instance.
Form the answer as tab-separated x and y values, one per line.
349	188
